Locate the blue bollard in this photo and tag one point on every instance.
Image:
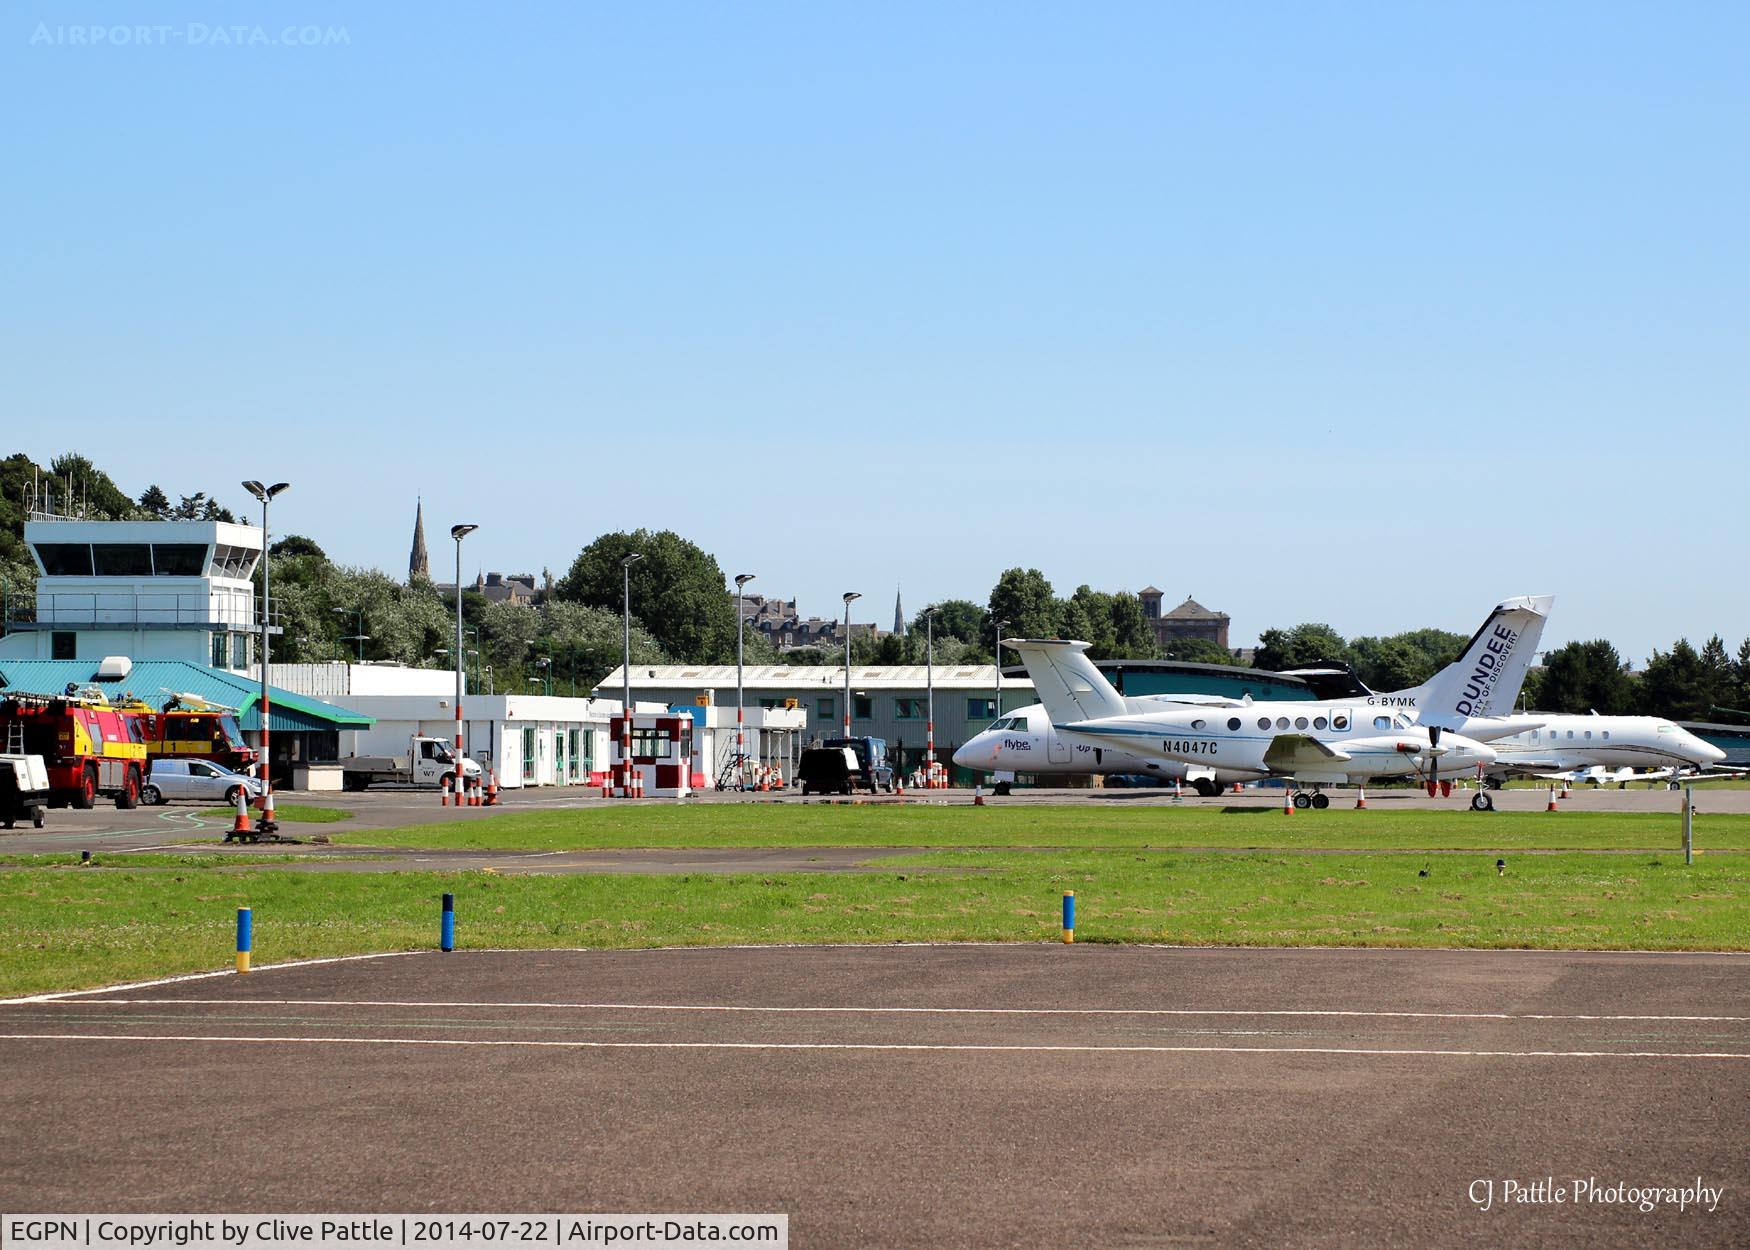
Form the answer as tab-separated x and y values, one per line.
1069	915
447	935
245	938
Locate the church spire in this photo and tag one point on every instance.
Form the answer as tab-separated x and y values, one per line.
898	614
418	563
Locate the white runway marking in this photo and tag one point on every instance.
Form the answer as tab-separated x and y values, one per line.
922	1011
199	976
871	1046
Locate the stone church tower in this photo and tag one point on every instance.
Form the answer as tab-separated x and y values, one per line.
418	563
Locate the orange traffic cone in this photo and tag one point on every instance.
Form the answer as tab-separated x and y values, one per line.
978	796
1361	798
240	827
1178	792
1552	800
492	789
1287	801
1564	787
445	800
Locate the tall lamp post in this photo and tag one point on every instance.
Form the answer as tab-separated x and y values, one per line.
265	494
999	625
850	596
626	564
930	688
741	580
358	634
545	664
459	532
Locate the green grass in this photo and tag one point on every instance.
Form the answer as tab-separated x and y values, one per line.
63	929
286	813
922	824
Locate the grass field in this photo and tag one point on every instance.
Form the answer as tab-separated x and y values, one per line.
978	874
822	824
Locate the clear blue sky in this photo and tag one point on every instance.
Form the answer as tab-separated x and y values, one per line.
1359	313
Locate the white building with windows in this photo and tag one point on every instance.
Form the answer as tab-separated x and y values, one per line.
151	590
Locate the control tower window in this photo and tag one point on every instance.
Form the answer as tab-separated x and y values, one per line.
65	559
179	559
122	559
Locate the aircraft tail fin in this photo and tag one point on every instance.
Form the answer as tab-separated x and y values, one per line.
1067	682
1487	676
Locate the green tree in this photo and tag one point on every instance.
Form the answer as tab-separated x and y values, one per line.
1585	677
1675	684
1023	598
678	592
1132	638
957	618
1305	644
1741	679
91	486
1199	651
296	545
1718	677
154	503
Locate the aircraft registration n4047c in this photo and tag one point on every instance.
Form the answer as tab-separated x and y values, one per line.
1433	730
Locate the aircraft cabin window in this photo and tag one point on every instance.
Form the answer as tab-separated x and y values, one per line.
1282	722
1607	733
1300	722
1570	734
1263	722
1382	722
1233	722
1588	733
1319	722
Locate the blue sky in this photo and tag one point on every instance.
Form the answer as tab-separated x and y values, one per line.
1369	314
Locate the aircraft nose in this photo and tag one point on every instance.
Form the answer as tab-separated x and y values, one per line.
966	757
1710	754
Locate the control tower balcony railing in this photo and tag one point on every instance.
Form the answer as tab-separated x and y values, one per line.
130	610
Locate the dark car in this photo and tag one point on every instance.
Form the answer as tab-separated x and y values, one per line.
827	770
874	774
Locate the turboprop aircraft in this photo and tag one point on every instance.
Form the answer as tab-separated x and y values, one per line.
1487	675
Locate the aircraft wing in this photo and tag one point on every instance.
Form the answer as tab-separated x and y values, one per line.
1291	753
1528	767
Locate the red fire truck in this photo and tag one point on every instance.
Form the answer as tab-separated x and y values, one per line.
190	728
88	747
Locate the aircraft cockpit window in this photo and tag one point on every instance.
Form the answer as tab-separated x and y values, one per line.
1403	721
1203	724
1382	722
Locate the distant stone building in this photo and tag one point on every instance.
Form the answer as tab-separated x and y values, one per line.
1189	620
778	621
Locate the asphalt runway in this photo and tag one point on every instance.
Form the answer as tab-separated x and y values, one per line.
968	1096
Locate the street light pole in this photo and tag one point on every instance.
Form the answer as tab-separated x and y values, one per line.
999	625
626	677
850	595
741	580
265	494
930	688
459	532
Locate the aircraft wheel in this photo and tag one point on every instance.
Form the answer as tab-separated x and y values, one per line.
1303	801
1482	801
1321	801
1206	788
1002	787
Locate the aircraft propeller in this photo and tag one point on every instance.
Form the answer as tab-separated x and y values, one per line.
1433	760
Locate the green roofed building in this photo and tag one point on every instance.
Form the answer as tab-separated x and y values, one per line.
304	729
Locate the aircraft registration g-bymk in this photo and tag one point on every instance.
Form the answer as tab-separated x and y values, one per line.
1216	742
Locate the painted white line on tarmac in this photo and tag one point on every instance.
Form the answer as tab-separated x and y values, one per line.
512	1004
869	1046
198	976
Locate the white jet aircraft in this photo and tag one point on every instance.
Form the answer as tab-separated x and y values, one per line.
1311	743
1599	748
1026	741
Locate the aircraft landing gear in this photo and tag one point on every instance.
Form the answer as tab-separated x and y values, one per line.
1482	801
1303	800
1317	799
1321	801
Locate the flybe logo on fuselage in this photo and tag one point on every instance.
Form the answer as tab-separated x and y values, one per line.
1480	685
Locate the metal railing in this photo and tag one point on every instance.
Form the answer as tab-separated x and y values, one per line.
28	610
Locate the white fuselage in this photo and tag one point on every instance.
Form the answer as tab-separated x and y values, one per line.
1561	743
1023	741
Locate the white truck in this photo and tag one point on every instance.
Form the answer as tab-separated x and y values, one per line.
428	762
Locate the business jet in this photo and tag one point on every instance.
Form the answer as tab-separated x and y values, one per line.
1602	749
1487	675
